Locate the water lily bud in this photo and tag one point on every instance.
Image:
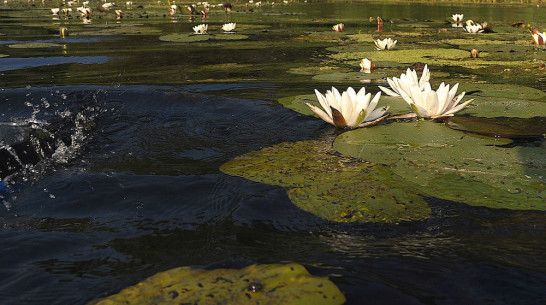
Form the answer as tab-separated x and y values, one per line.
63	32
338	27
366	65
474	53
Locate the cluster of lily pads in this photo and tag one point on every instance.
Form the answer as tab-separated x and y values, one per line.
351	109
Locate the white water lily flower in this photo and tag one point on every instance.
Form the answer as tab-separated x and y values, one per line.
473	28
457	18
539	39
200	29
228	27
385	44
55	11
434	104
366	65
349	108
406	81
338	27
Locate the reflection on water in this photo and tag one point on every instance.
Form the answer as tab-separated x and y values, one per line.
153	121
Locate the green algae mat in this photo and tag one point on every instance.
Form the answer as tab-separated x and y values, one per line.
330	186
255	284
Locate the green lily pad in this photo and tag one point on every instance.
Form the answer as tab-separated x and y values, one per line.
184	37
504	91
329	36
255	284
491	107
500	127
232	36
332	187
3	55
34	45
339	77
431	56
453	165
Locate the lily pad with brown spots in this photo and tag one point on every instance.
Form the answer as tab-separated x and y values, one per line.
255	284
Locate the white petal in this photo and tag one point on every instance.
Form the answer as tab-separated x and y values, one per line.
321	113
324	103
388	91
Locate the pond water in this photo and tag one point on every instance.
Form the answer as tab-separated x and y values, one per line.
117	141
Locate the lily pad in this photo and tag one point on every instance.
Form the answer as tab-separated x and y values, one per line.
339	77
329	186
34	45
500	127
504	91
453	165
184	37
255	284
491	107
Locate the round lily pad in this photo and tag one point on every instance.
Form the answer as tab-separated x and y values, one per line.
185	37
255	284
500	127
329	186
453	165
34	45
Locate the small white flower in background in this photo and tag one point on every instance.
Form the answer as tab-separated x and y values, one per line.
228	27
539	39
55	11
434	104
129	3
406	81
457	18
366	65
349	109
200	29
338	27
385	44
108	5
473	28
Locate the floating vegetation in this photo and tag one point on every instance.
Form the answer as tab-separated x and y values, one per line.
34	45
255	284
329	186
339	77
184	37
452	165
501	127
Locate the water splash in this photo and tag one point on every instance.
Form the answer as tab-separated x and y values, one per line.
53	134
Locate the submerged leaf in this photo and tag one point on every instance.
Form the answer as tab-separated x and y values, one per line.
255	284
329	186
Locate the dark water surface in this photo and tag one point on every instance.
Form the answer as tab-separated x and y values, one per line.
133	132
